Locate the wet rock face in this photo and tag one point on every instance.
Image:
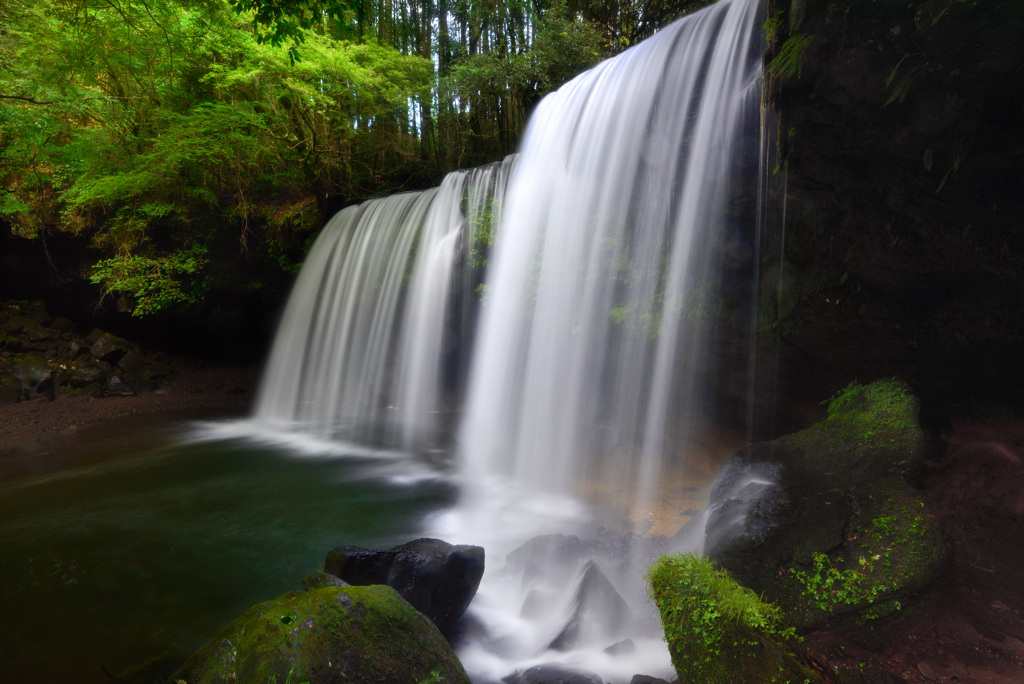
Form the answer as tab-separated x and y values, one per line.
437	578
837	533
553	674
904	159
42	357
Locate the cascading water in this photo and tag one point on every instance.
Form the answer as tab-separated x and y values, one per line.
591	359
360	353
589	370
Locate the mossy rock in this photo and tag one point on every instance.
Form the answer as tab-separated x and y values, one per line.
719	631
330	634
841	536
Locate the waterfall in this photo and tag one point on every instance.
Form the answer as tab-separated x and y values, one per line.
606	269
620	243
362	352
592	370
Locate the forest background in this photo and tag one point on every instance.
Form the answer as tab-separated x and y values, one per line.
186	151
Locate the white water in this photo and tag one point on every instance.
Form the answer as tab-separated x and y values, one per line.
359	355
590	358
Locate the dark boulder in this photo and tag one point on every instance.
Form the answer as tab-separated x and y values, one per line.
553	674
10	390
132	363
35	377
822	522
35	331
118	387
85	373
109	348
596	605
646	679
437	578
61	324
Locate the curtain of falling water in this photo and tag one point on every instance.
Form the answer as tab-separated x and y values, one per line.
592	345
360	353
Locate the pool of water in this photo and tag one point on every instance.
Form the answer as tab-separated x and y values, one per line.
125	560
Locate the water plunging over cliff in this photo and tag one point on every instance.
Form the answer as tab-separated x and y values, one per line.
590	367
363	352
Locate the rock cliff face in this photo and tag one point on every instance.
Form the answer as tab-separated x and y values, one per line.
902	159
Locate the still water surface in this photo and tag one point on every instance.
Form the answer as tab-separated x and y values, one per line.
133	556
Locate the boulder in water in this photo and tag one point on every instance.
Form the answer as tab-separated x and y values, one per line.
327	635
553	674
596	606
437	578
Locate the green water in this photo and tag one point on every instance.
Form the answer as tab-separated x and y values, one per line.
128	561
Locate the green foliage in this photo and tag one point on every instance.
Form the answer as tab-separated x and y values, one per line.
902	87
715	628
155	283
888	550
149	125
789	61
828	586
772	27
882	414
483	231
286	21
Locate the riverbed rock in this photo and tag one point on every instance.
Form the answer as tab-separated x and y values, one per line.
823	522
553	674
596	605
437	578
325	636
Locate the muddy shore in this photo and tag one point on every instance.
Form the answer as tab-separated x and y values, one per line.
42	434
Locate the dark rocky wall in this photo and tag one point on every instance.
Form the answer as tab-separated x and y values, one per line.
234	326
903	170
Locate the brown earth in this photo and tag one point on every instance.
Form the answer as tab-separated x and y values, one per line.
44	435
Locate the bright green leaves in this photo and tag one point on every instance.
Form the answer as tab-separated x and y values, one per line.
166	121
153	283
278	22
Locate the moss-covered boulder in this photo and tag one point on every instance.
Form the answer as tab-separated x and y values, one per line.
329	634
719	631
823	521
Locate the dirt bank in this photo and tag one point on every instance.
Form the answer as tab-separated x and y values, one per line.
41	434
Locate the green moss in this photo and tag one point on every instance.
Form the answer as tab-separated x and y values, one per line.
717	630
329	634
893	554
882	414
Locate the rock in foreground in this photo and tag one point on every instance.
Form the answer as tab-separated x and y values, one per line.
437	578
822	522
718	631
333	634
